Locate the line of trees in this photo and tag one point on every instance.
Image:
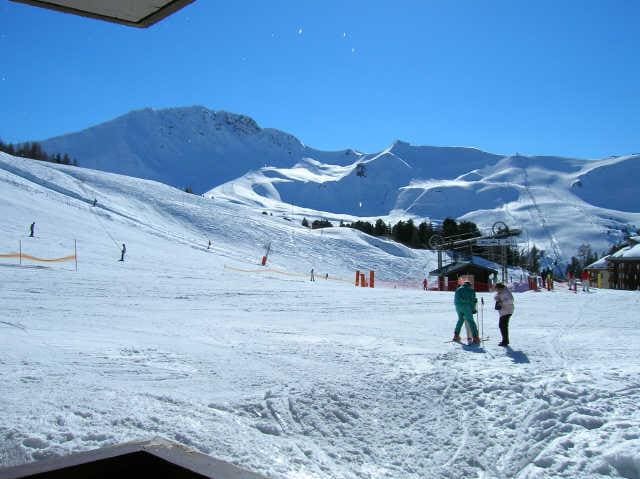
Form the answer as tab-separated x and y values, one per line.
585	257
418	236
34	151
407	233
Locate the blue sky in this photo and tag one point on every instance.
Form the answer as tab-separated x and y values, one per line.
543	77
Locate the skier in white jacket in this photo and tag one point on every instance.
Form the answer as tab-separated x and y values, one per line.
504	306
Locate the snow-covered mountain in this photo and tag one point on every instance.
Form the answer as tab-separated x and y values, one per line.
182	147
280	375
559	203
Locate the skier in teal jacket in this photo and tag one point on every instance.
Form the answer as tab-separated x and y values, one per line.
465	301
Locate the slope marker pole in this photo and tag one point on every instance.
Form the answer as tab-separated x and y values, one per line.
482	317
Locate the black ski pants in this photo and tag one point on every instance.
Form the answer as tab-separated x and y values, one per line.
504	327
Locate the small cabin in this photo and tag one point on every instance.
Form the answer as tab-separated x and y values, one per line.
453	272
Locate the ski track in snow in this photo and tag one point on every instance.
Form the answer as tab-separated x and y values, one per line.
336	397
286	377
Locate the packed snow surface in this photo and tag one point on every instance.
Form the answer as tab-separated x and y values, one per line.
284	376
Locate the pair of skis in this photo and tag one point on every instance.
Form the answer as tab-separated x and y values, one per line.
469	342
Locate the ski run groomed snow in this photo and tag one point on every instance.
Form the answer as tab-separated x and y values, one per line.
280	375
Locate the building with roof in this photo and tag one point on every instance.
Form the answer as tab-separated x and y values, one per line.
600	273
625	266
482	275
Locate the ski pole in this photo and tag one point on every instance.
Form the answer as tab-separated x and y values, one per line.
482	318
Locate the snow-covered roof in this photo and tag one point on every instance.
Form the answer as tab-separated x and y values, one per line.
600	264
459	266
629	253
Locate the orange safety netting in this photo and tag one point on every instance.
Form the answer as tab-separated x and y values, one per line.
35	258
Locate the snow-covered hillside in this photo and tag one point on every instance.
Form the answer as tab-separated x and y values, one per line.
165	212
559	203
280	375
270	371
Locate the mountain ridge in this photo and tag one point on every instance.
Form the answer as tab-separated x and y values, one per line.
227	155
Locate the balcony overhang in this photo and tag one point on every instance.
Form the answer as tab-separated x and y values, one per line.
141	13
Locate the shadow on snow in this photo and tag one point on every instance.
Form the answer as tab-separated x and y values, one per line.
518	356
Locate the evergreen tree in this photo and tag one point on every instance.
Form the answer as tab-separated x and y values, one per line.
380	228
412	232
405	232
397	231
425	232
534	259
321	224
34	151
363	226
574	266
449	227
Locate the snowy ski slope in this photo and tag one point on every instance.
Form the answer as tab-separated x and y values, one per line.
283	376
559	203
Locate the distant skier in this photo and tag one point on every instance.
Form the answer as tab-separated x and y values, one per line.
465	302
32	229
95	202
504	306
425	284
313	276
124	250
209	245
571	280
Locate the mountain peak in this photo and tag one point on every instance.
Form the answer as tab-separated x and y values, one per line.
197	114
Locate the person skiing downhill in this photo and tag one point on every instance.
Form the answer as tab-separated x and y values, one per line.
124	250
465	302
31	229
504	306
